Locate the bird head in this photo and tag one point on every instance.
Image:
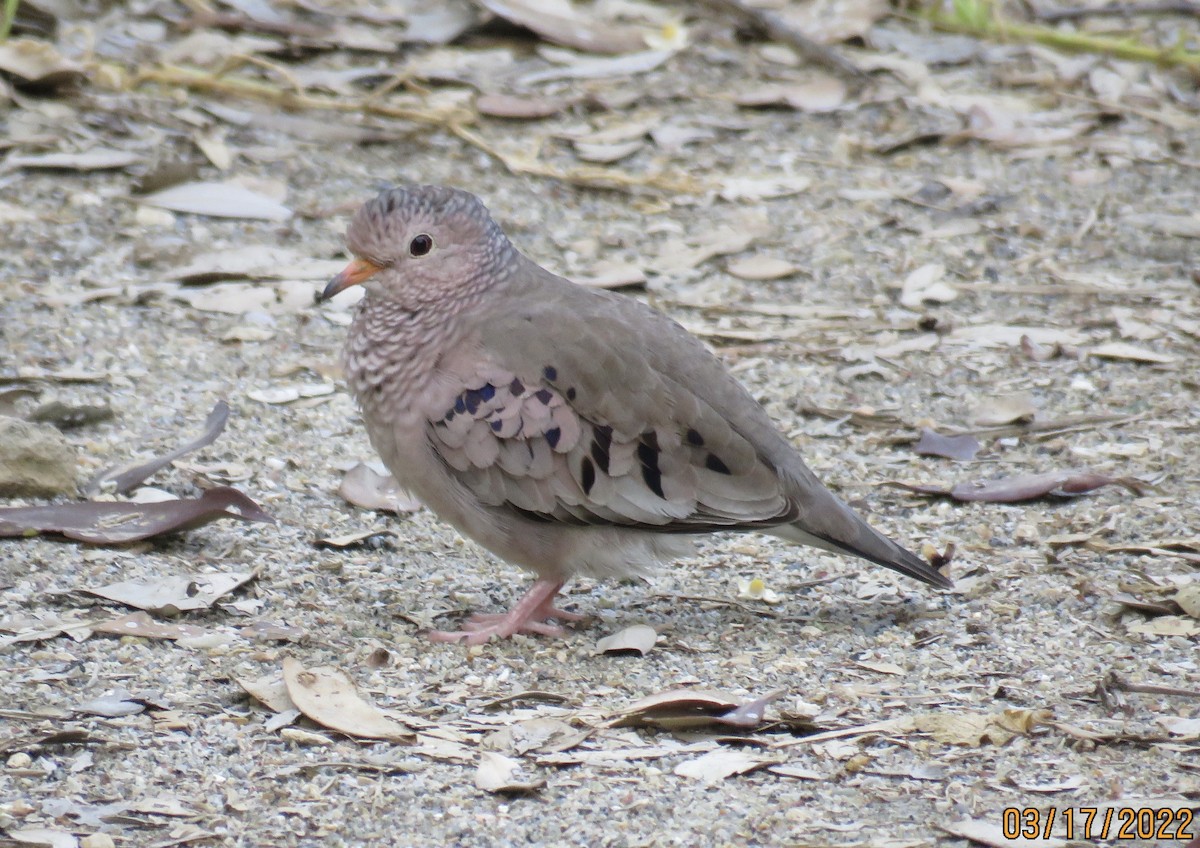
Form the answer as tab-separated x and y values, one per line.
422	244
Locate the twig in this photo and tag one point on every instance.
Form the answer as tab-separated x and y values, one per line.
1115	681
1120	10
780	30
453	120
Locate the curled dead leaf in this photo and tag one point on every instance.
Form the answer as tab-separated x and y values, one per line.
328	697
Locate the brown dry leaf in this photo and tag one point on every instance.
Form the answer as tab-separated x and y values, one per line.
561	22
1188	598
38	64
637	639
932	443
763	188
1016	408
574	66
495	774
761	268
1007	335
538	735
517	107
172	595
125	479
822	94
989	832
1133	353
679	255
141	624
218	200
831	21
367	488
1185	226
926	284
276	395
685	709
328	697
46	837
270	690
1027	487
1166	625
113	523
253	262
351	540
96	159
715	766
611	275
974	729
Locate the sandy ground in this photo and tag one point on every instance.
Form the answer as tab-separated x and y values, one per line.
1067	240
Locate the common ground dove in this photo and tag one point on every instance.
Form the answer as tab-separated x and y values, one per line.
567	430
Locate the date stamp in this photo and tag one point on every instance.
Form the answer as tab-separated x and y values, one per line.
1087	823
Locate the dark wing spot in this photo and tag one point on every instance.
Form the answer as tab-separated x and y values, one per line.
647	454
601	442
713	463
516	387
553	435
694	438
543	396
496	425
587	475
460	405
571	393
450	416
487	392
550	373
471	400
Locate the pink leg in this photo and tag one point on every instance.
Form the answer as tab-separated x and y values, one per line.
528	616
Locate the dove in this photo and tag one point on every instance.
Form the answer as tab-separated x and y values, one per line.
568	430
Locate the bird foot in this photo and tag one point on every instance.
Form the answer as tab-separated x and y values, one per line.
531	615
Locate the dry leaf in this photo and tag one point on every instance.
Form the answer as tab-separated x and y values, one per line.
513	106
1167	625
974	729
141	624
717	765
172	595
927	284
763	188
1124	350
932	443
96	159
367	488
1017	408
990	832
38	64
761	268
328	697
112	523
218	200
1027	487
125	479
563	23
636	639
823	94
495	774
684	709
270	690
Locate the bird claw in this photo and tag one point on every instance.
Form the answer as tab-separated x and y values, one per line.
531	615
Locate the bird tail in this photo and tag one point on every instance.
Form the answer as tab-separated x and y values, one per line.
827	523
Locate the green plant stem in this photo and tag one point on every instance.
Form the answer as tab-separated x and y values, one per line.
6	19
994	27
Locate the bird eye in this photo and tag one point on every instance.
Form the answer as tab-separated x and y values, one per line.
420	245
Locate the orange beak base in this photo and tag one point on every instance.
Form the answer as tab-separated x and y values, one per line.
358	271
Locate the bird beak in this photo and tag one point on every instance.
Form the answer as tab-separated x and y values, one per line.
358	271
